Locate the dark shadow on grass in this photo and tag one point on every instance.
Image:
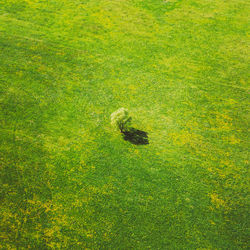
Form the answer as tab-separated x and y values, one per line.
136	136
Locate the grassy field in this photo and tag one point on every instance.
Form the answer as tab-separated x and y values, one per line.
68	179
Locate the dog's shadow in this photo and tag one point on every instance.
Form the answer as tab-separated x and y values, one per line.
136	136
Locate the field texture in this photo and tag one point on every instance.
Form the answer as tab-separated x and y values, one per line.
68	179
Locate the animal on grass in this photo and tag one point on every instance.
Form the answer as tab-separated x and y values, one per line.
121	120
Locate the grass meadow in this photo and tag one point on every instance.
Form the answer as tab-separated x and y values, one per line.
68	179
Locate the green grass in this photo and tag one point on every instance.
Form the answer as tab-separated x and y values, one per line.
68	180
